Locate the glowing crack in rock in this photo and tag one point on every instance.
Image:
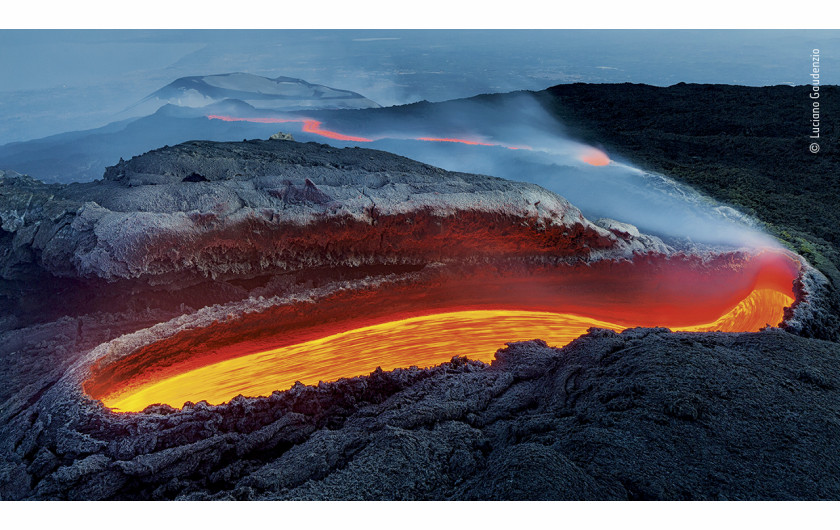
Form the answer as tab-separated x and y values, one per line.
316	127
309	126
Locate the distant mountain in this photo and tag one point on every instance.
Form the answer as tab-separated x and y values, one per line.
263	93
83	155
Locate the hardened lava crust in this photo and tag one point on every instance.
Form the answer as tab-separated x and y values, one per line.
221	218
645	414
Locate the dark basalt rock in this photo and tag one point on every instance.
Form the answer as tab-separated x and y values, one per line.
645	414
194	177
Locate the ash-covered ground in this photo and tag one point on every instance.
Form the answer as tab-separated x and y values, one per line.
91	271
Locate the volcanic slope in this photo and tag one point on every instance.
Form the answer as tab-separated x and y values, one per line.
169	116
205	238
645	414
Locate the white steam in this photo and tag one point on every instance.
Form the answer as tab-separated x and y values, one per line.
654	203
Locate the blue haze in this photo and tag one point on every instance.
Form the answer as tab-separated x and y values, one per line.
64	80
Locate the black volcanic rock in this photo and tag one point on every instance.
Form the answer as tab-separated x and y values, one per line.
645	414
747	146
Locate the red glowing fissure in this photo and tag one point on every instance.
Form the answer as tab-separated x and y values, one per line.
315	127
310	126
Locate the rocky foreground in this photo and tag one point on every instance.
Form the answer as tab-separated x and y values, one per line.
646	414
89	269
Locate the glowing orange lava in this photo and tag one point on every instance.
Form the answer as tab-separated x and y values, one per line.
426	322
595	157
418	341
763	307
309	125
315	127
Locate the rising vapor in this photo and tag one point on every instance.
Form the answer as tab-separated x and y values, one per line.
517	139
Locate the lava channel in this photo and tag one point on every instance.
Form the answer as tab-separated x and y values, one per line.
316	127
309	126
425	323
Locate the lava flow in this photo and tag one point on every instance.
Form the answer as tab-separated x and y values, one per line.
316	127
309	126
418	341
353	333
595	157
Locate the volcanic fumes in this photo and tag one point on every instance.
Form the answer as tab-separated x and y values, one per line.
514	137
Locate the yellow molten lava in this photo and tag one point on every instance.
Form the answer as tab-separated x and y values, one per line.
420	341
751	314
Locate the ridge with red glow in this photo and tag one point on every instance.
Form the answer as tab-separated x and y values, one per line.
316	127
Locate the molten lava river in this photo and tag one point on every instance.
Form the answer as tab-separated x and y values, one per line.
350	335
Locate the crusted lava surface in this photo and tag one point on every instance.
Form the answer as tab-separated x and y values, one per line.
645	414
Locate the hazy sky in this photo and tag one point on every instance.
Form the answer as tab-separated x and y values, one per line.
59	80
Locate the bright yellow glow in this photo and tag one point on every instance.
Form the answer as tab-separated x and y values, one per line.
419	341
760	308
